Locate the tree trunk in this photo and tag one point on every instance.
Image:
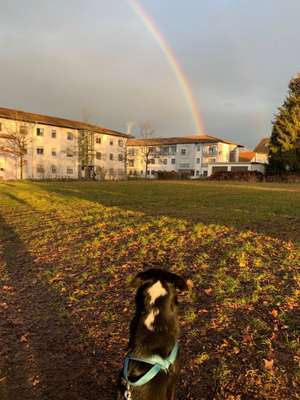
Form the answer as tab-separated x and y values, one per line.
21	167
146	172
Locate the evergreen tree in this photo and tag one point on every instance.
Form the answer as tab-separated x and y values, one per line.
284	152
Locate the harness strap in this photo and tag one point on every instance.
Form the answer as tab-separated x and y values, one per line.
158	363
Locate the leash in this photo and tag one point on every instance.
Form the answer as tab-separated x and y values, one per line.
158	363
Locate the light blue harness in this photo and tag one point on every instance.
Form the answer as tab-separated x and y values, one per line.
158	363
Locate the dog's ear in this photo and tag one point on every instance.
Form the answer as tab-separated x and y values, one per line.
180	283
154	274
145	276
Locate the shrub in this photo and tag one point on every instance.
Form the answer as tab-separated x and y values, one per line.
283	178
248	176
169	175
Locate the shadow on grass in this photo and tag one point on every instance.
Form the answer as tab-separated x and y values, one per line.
245	210
44	353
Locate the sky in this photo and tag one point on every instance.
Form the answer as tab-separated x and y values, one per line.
97	60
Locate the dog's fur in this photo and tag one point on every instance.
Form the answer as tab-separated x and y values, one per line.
154	330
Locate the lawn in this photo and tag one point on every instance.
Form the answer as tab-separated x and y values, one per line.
68	253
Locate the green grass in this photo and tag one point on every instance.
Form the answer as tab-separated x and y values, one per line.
239	244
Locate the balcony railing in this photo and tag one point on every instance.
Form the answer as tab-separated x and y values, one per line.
210	153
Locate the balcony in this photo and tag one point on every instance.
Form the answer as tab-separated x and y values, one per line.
207	153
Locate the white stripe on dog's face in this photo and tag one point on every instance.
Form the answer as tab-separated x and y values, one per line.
155	291
151	318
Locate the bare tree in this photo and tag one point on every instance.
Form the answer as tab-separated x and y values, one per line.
146	132
17	138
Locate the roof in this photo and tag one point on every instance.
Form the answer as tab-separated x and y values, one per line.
246	156
179	140
263	146
55	121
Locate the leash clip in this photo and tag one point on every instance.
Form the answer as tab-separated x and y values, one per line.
127	393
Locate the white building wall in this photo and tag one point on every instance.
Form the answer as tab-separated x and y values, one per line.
110	156
54	154
9	168
230	167
188	157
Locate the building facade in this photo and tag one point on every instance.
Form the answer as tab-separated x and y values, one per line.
190	154
57	148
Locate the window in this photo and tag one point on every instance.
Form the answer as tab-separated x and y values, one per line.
164	150
183	152
131	163
120	157
173	161
198	147
197	173
184	166
98	140
173	149
69	171
98	155
131	151
152	161
198	161
23	130
53	133
39	131
111	156
210	151
53	169
53	152
70	153
111	142
152	172
40	151
69	135
165	161
40	169
120	143
148	172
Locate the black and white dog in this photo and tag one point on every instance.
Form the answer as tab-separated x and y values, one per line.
152	364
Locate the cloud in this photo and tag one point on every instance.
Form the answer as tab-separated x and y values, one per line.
62	57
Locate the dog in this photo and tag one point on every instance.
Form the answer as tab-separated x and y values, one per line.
154	332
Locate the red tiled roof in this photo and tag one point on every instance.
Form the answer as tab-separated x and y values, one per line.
178	140
55	121
246	155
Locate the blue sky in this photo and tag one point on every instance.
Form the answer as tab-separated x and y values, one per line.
95	57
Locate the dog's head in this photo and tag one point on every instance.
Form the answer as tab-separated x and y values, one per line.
158	290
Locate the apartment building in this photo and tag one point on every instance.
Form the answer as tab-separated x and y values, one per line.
57	148
189	154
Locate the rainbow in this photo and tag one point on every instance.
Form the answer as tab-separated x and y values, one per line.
167	50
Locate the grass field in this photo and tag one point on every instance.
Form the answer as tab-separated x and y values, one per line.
68	251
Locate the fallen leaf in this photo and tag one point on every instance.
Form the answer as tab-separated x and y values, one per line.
268	364
274	313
